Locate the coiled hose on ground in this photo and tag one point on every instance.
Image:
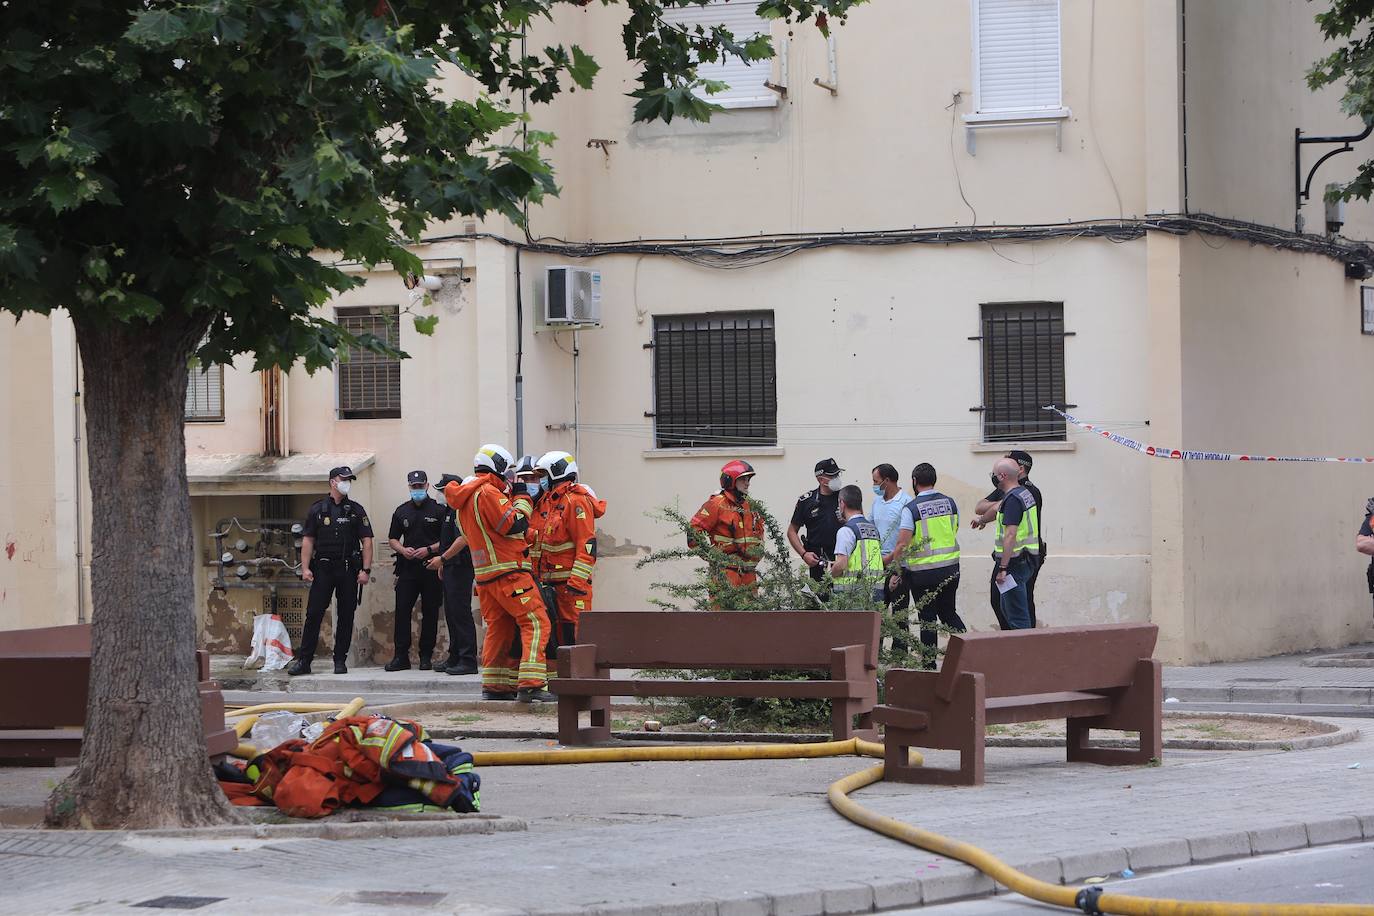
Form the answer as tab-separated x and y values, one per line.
1086	899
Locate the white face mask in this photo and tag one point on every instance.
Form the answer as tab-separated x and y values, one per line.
345	486
836	483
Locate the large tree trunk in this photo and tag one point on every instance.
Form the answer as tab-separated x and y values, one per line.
143	760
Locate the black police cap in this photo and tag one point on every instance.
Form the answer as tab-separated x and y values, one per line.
828	466
415	477
343	472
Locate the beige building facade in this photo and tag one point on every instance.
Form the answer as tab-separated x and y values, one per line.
953	232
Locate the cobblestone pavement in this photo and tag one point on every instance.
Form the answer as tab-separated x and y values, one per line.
729	838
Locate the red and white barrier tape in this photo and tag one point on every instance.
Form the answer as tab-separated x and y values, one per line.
1160	451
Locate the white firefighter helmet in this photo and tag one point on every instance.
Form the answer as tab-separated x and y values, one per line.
492	458
558	465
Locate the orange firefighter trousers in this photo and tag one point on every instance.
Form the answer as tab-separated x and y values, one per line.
512	603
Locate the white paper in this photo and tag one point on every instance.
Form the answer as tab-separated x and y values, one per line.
1006	585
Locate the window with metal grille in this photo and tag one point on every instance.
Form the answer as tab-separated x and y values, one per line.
1023	371
369	383
204	393
715	380
1016	55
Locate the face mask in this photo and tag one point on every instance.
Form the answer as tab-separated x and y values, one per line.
533	489
417	496
345	486
996	481
839	513
877	489
835	483
544	484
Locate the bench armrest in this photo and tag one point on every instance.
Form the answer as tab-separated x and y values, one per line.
847	663
578	661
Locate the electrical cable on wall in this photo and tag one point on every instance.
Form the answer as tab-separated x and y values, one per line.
741	252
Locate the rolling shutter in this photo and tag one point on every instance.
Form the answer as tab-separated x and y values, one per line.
745	81
370	384
1017	55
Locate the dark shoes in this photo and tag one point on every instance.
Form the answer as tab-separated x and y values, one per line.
298	667
340	668
398	664
424	664
497	695
449	666
535	695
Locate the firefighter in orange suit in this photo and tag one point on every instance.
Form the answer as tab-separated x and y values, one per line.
566	540
730	523
494	520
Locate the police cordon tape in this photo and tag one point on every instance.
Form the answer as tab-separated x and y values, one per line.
1160	451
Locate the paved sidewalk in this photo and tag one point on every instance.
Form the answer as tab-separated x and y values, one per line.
1331	677
749	837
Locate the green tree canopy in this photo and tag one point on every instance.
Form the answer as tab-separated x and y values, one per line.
167	170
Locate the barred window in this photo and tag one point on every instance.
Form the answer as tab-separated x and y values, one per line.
204	393
1023	371
369	383
715	380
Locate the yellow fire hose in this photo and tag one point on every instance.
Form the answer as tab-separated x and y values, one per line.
1087	899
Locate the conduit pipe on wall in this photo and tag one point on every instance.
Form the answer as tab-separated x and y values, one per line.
519	359
77	412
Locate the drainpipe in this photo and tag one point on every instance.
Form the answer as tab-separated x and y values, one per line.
77	412
519	359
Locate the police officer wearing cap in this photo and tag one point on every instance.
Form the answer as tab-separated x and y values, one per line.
986	511
414	535
818	512
336	559
454	566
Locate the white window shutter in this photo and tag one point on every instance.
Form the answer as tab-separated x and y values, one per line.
745	80
1017	55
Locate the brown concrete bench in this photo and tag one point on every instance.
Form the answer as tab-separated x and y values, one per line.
842	643
1094	677
45	676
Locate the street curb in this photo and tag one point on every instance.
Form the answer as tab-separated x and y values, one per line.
350	825
964	882
1324	696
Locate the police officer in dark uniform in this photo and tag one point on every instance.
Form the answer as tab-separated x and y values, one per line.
414	535
818	512
336	559
454	565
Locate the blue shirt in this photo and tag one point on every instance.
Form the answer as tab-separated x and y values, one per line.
887	518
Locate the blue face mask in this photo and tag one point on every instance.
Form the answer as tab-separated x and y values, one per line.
533	489
544	484
877	489
417	496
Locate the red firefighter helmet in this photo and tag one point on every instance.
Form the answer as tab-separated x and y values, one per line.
733	471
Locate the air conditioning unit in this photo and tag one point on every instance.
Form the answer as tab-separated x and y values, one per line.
572	296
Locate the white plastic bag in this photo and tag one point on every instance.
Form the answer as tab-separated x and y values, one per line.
273	728
271	643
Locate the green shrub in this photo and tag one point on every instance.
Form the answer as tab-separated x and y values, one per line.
782	585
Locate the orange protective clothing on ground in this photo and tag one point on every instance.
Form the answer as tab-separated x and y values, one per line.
565	551
495	525
736	531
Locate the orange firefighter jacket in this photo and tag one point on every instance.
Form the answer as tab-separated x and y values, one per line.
565	540
733	527
495	523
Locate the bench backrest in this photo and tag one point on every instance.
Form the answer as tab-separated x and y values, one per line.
726	639
74	638
1021	662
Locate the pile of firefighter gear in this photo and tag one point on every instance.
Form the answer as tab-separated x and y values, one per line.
366	761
